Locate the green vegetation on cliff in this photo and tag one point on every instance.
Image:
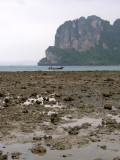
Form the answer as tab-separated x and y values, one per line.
95	56
91	41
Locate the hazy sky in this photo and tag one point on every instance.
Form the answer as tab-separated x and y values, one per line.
28	27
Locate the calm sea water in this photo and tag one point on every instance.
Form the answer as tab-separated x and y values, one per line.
66	68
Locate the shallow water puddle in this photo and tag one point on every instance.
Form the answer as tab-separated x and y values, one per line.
16	137
117	117
93	100
22	148
90	152
79	122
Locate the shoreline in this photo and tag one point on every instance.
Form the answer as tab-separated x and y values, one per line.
60	114
65	68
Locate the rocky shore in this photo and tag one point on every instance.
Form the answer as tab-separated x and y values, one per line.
60	115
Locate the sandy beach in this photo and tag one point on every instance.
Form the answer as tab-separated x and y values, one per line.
60	115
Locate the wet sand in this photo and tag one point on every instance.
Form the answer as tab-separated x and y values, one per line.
60	115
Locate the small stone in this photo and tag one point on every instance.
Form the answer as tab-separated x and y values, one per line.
68	98
38	102
37	138
81	105
47	137
2	94
1	152
54	118
107	94
4	157
16	155
117	158
57	95
103	147
110	79
64	155
25	111
37	149
34	94
74	130
8	100
85	125
108	106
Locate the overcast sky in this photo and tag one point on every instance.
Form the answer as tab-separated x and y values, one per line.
28	27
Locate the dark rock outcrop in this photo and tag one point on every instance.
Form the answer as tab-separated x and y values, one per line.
38	149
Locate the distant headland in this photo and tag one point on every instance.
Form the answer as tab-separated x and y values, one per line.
91	41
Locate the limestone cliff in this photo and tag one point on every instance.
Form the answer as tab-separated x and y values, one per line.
85	41
80	34
52	58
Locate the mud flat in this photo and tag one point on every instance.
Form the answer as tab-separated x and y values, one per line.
60	115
